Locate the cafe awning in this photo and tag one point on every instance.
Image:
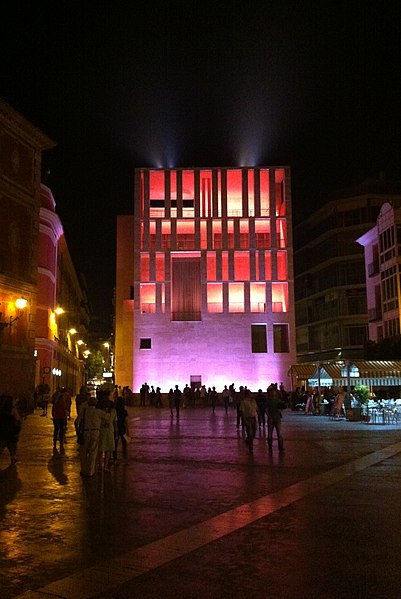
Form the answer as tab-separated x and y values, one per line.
371	373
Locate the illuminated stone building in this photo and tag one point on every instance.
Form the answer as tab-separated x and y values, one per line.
382	247
62	314
36	271
204	291
21	147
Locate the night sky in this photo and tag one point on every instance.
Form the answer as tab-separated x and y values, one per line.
119	85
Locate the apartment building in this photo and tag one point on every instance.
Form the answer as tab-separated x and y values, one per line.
330	287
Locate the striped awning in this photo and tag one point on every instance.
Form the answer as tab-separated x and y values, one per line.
302	371
371	372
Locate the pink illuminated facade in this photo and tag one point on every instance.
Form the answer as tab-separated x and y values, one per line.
204	290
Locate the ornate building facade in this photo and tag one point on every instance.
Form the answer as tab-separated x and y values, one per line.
21	147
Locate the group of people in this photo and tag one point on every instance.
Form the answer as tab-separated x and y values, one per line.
252	412
101	423
337	401
102	419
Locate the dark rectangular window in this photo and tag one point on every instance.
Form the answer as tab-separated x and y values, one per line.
259	339
280	338
145	344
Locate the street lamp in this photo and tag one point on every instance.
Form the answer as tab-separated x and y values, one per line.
20	303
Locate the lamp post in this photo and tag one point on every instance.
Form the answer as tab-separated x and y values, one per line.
20	303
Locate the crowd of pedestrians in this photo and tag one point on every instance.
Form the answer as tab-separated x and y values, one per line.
101	424
251	411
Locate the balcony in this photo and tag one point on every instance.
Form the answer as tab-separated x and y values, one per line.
374	314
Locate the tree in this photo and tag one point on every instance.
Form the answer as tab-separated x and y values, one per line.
386	349
94	364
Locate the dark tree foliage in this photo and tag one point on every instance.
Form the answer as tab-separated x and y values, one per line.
387	349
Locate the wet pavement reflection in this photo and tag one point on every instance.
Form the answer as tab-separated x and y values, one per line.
192	488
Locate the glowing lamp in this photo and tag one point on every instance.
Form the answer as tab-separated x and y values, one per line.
59	311
72	331
21	303
80	342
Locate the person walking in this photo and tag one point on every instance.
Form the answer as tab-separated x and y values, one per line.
249	410
158	399
261	402
274	416
171	404
213	398
10	427
90	419
177	400
59	415
122	426
238	397
108	432
225	394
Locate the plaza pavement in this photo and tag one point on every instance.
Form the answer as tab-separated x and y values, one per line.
191	514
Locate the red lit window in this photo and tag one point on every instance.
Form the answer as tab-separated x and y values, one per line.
281	266
217	239
268	266
264	193
166	235
188	192
280	195
230	234
244	234
173	185
281	232
241	266
185	235
234	193
215	297
224	266
236	297
203	235
152	235
279	297
211	266
258	297
145	267
156	185
148	298
206	193
262	234
251	192
159	267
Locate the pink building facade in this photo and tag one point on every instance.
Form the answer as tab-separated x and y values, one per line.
59	357
204	291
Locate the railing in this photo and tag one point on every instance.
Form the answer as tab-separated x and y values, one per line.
148	308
